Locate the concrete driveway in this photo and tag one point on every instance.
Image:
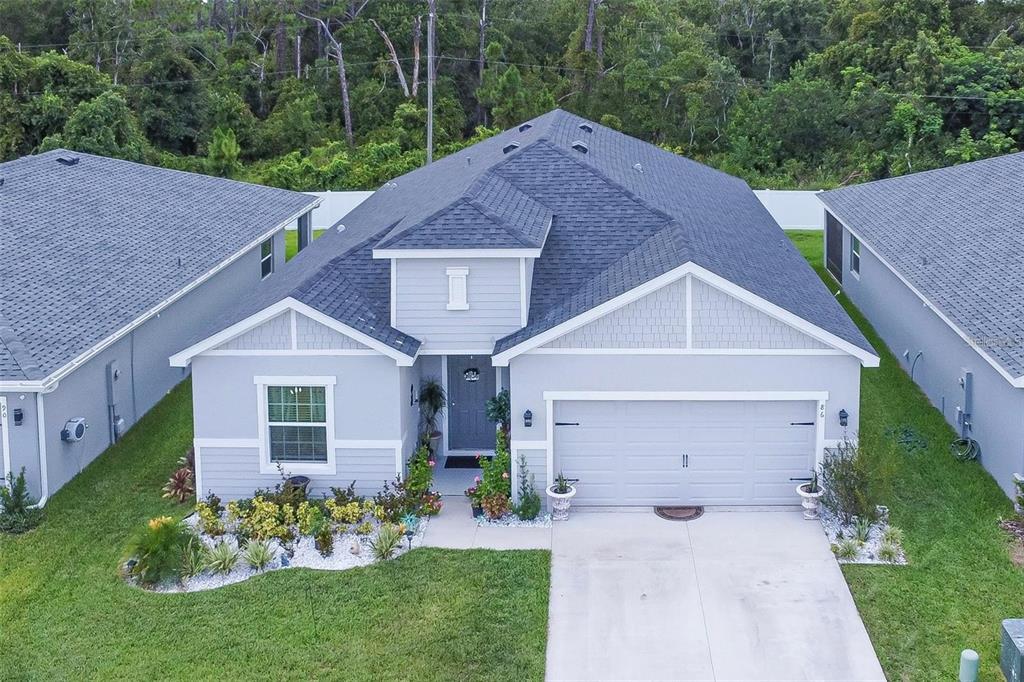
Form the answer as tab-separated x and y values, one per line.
730	596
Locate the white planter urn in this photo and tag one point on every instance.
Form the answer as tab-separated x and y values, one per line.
560	502
809	500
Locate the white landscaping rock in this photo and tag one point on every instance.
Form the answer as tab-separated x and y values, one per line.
513	521
869	550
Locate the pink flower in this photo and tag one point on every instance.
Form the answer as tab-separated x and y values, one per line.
476	480
431	462
477	455
504	474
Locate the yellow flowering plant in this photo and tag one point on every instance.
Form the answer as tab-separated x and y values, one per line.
209	520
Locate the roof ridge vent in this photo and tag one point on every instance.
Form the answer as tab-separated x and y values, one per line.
510	147
638	168
586	127
526	126
67	160
580	146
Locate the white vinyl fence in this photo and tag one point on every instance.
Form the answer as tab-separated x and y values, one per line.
334	207
794	209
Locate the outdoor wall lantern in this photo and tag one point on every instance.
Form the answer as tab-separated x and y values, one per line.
19	416
844	417
527	419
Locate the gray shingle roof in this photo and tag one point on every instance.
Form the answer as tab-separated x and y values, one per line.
619	215
954	234
85	249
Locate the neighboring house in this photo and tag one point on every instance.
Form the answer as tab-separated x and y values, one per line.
662	339
934	260
107	267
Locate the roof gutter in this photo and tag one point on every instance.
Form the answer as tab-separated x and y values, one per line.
49	383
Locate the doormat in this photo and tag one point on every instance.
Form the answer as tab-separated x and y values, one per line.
679	513
462	462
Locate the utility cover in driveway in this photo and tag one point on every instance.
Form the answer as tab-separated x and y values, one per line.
640	453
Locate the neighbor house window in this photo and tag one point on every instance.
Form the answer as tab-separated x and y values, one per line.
267	258
854	255
457	292
297	419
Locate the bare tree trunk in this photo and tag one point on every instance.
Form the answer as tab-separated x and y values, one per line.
298	54
339	56
281	47
417	25
431	74
394	58
588	36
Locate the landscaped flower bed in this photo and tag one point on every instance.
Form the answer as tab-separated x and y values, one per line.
864	542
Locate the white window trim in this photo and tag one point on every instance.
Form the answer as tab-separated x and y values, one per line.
458	277
269	256
294	468
855	256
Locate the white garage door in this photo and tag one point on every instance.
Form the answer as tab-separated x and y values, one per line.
635	453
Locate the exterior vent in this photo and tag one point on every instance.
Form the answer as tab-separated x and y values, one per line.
526	126
67	160
510	148
1	182
586	127
638	168
580	147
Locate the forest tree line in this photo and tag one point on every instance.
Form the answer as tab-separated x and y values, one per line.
331	94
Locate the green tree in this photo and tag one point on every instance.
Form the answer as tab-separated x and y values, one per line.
104	126
222	155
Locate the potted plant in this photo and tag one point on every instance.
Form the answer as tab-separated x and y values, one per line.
561	494
473	493
810	493
432	402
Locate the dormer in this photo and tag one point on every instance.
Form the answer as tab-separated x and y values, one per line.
461	278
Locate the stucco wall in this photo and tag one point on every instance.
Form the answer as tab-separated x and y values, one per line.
422	299
370	404
23	439
905	323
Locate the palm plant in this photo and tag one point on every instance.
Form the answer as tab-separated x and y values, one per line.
432	403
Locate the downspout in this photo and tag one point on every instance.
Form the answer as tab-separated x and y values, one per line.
41	434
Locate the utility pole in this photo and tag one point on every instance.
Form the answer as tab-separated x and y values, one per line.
432	7
298	55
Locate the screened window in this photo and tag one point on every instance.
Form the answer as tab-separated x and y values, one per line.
267	258
854	255
297	417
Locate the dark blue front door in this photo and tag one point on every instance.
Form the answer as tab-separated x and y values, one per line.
470	384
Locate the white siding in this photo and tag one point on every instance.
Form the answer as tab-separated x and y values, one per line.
311	335
274	334
422	300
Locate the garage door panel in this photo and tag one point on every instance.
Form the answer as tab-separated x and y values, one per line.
630	453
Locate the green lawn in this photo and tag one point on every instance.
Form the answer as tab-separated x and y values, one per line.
430	615
291	242
960	583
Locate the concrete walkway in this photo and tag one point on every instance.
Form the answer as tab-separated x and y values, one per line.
730	596
455	528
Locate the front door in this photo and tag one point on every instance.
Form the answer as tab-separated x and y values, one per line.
470	384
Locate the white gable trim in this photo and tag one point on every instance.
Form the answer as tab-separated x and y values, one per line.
456	253
184	357
866	358
1016	382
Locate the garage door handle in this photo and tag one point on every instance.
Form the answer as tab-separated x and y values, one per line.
802	479
801	423
567	423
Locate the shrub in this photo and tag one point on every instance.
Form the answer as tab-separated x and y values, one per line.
889	552
395	501
16	512
324	539
431	504
193	558
158	551
384	546
310	517
209	520
529	501
862	530
343	496
364	528
221	558
180	486
846	479
421	471
267	519
847	549
892	535
258	554
495	506
349	512
499	411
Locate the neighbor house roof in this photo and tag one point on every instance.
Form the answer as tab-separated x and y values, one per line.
954	234
89	245
610	212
